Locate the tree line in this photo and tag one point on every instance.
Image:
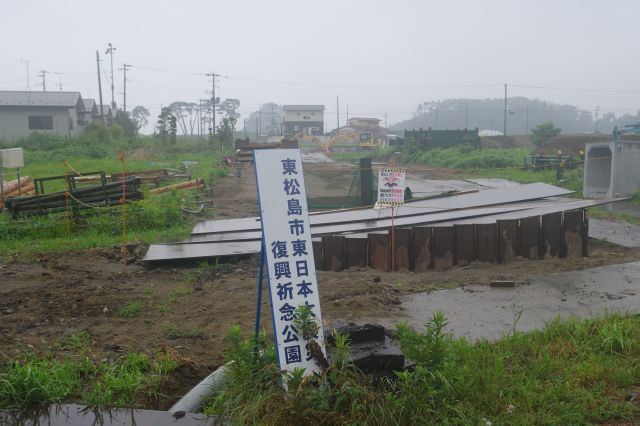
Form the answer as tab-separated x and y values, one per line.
523	115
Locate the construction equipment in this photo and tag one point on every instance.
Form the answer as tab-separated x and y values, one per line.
629	129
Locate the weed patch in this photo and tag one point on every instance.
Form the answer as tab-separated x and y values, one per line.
37	381
130	310
570	372
184	333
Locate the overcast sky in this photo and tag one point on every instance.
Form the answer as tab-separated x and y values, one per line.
377	56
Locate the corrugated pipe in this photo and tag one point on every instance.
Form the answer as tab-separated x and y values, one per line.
202	393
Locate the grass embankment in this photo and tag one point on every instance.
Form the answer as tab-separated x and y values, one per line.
157	217
571	372
127	382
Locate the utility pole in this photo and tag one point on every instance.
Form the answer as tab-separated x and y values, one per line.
26	62
124	69
110	51
104	119
347	113
597	114
385	120
59	80
213	98
437	105
527	120
466	120
200	118
338	114
43	73
259	122
505	109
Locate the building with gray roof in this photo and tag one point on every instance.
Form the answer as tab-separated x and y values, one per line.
23	113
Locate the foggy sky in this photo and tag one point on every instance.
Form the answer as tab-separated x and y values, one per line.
378	56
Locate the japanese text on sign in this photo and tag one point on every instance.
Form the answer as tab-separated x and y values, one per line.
390	187
286	234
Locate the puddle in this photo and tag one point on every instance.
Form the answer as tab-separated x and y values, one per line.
481	311
77	415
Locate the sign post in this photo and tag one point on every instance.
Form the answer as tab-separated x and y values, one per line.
391	194
288	253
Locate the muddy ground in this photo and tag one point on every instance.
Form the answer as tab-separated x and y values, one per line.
188	309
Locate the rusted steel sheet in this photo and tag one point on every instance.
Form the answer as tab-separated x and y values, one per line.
551	235
488	197
508	240
402	250
442	247
422	248
357	254
530	237
317	253
333	253
573	231
465	244
379	251
487	244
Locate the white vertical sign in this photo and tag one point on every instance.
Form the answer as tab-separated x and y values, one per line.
286	236
390	187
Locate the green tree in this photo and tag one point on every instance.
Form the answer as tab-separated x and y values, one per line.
229	108
544	132
166	127
141	116
129	126
186	114
226	129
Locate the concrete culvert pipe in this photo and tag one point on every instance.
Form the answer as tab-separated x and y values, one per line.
197	397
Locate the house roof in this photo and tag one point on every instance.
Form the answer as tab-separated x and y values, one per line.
106	106
46	99
364	119
89	104
303	107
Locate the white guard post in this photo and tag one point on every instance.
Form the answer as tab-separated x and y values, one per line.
286	237
390	187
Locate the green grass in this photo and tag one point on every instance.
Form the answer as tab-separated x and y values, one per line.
79	342
35	381
165	309
130	310
156	218
178	293
39	381
121	383
184	333
570	372
466	157
125	382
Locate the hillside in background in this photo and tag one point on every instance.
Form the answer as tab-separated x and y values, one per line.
523	114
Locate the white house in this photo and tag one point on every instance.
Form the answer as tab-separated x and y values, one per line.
24	113
306	119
